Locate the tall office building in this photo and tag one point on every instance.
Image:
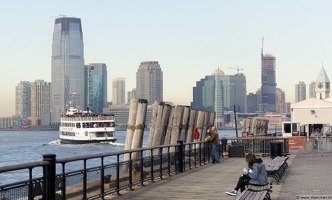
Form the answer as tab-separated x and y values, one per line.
280	101
131	95
149	82
312	88
119	91
300	91
220	92
252	103
40	100
208	96
67	66
95	87
23	99
268	82
235	90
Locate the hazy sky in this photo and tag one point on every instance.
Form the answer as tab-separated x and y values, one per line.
189	38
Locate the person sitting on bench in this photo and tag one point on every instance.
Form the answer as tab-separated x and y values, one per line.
254	174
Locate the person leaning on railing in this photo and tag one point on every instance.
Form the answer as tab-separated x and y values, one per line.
214	139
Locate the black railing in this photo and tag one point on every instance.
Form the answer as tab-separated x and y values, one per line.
97	176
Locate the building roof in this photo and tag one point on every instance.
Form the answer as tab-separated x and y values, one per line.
313	103
322	76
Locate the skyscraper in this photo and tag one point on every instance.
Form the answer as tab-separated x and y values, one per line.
280	101
149	82
67	66
235	90
23	99
312	88
300	91
95	87
131	95
119	91
269	82
252	106
40	99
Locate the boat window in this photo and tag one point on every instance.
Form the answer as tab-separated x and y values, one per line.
78	125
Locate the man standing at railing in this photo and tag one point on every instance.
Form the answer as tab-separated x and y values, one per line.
214	139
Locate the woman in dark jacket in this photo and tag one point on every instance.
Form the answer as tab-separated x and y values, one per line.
254	174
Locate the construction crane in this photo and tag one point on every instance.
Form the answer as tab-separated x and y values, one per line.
237	68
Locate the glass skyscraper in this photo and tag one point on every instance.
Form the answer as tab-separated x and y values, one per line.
269	84
67	66
23	99
96	87
149	82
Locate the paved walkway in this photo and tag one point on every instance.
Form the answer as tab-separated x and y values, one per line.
310	176
211	181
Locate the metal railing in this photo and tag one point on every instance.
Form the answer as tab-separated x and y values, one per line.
97	176
261	145
320	143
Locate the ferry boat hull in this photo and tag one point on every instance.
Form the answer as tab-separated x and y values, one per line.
79	128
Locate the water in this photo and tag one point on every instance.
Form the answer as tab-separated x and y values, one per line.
17	147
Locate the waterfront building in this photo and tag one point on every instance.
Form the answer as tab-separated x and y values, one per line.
119	91
131	95
67	66
40	100
219	92
312	88
300	91
149	82
322	85
121	113
208	95
252	103
268	78
23	99
234	89
95	87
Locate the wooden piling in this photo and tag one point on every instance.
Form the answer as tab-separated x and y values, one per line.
199	123
164	111
153	122
184	124
176	125
139	127
131	126
168	132
191	124
205	124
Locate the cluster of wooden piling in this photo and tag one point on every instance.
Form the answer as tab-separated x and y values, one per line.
168	125
256	126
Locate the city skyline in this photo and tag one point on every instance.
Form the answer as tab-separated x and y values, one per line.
189	39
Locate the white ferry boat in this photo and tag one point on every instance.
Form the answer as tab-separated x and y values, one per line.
84	127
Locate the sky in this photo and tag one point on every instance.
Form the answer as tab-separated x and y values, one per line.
189	39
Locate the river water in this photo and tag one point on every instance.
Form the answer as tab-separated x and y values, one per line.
17	147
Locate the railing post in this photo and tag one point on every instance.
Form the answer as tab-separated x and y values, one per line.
180	155
49	174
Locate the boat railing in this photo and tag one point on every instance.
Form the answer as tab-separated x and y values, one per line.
100	175
87	118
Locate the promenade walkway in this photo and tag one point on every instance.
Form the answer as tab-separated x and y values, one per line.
308	174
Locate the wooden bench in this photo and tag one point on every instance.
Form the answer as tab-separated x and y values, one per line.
256	192
277	167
